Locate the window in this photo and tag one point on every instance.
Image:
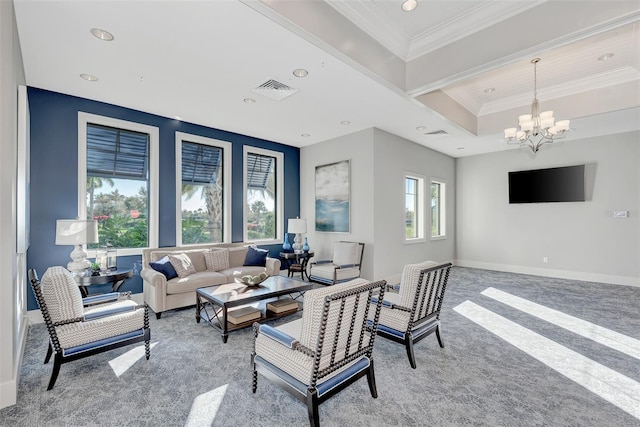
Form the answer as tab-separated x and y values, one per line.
117	178
413	208
203	189
263	203
438	210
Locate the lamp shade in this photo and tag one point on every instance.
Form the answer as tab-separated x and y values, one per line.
76	231
297	225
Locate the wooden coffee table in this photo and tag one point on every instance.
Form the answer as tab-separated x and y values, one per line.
213	302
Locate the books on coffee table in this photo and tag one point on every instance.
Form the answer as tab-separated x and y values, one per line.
282	305
241	315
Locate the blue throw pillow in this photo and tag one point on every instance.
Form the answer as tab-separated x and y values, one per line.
257	257
164	266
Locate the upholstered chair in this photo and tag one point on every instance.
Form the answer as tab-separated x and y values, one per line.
80	327
411	311
346	264
327	349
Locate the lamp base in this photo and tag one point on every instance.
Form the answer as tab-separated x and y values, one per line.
297	244
79	264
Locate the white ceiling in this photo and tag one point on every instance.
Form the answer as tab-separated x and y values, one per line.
369	63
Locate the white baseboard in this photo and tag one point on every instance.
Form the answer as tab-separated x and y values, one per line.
547	272
35	316
9	389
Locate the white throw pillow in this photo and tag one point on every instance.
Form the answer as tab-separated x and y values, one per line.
182	264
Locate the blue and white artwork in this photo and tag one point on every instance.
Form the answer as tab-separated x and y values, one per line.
332	197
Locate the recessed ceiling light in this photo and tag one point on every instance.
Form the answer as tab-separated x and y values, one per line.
605	57
419	128
300	72
305	135
89	77
345	122
409	5
490	90
249	100
460	148
102	34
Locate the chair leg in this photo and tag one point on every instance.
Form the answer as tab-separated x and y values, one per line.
147	349
438	336
57	361
312	408
254	386
371	379
408	342
158	315
49	353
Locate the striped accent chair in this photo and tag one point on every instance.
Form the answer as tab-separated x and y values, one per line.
327	349
345	264
80	327
412	312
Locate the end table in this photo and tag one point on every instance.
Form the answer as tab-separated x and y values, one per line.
116	278
297	262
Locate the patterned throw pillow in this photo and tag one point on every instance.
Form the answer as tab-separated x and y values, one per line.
182	264
217	259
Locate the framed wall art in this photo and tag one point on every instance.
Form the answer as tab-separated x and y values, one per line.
333	198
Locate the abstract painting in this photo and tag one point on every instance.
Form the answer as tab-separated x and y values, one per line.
333	197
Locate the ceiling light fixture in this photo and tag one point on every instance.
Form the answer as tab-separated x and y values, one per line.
89	77
605	57
345	122
305	135
102	34
409	5
249	101
300	72
536	128
490	90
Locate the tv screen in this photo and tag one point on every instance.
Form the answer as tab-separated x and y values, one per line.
564	184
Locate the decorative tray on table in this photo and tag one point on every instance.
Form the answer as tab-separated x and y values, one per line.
250	280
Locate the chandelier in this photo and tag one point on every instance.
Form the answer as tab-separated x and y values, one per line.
536	128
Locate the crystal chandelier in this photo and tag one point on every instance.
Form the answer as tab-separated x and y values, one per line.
536	128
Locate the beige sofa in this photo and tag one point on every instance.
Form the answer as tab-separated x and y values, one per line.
162	294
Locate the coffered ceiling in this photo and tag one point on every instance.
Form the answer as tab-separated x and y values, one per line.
451	75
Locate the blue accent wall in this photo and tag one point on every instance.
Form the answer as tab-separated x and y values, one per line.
54	175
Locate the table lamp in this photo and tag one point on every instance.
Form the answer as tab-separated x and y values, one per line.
77	232
298	227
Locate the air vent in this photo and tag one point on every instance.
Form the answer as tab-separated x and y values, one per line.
275	90
436	134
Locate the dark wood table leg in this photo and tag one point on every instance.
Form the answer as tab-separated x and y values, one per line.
225	333
198	308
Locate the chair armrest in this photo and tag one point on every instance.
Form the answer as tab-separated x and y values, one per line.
388	304
94	299
322	261
153	277
110	312
347	265
278	336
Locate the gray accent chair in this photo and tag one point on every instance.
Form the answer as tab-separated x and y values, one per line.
412	312
80	327
345	265
326	350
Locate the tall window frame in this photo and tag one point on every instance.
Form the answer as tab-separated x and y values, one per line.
438	213
279	193
414	198
226	181
84	119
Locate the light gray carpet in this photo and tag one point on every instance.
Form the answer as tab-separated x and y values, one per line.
477	379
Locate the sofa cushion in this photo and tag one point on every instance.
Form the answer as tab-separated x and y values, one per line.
164	266
194	281
182	263
256	256
237	256
217	259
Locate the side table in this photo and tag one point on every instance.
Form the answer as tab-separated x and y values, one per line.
116	278
297	262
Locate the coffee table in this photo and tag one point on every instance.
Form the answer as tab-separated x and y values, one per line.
213	302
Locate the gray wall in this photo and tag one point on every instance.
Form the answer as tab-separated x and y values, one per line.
581	239
12	266
378	163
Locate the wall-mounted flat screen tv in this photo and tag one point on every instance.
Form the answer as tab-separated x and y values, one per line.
563	184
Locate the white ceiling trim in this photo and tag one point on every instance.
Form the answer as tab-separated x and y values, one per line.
368	18
610	78
487	13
